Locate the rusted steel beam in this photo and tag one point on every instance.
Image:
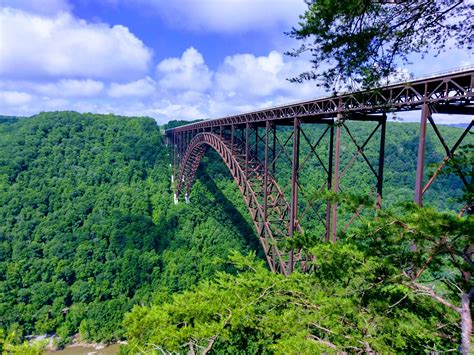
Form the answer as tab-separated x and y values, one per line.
383	124
420	165
449	153
268	236
247	152
294	185
265	173
336	179
274	133
232	138
329	182
455	89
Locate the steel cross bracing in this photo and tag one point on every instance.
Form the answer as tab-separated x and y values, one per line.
286	159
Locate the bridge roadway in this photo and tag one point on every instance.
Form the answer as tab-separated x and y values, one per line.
262	150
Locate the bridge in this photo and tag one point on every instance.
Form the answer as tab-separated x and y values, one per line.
264	152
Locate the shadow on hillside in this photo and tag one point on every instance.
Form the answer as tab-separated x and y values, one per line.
233	214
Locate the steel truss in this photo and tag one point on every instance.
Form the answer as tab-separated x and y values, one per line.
271	152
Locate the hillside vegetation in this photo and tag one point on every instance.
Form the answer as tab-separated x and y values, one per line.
89	229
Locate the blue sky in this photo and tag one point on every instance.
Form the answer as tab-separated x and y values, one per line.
181	59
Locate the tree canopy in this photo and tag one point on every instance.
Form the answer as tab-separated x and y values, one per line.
362	41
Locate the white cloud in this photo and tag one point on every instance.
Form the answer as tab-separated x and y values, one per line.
230	15
243	76
70	88
186	73
256	78
61	88
14	98
185	88
139	88
34	46
43	7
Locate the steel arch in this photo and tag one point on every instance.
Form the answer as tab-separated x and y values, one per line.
269	230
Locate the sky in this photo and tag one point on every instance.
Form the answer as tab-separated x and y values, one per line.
167	59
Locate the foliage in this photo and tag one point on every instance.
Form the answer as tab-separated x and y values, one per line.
12	344
462	165
422	239
88	224
370	292
362	41
433	253
176	123
89	230
349	303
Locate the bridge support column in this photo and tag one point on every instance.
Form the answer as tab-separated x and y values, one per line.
265	173
337	158
294	185
274	141
329	182
425	112
232	139
383	124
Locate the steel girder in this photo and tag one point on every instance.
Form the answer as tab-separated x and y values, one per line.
270	211
446	92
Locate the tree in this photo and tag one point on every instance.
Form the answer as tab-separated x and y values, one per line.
362	41
350	303
433	253
462	165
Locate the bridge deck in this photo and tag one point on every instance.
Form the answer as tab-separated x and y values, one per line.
448	93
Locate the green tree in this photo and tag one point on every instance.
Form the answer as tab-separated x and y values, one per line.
362	41
351	302
433	253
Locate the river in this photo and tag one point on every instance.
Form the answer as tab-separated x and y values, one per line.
86	350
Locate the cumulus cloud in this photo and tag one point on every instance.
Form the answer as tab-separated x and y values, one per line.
60	88
36	46
186	73
259	76
241	83
263	79
240	75
184	88
138	88
70	88
230	15
14	98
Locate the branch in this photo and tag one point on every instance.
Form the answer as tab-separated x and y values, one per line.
398	302
322	328
209	346
321	341
429	292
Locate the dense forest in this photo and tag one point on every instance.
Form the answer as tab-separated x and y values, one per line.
88	225
89	232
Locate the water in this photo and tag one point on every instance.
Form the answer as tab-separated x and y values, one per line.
85	350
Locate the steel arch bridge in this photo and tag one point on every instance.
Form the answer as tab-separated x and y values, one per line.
263	152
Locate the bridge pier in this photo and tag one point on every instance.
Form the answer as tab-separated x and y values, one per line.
420	165
427	116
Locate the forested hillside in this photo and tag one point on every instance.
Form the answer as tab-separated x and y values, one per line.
89	229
